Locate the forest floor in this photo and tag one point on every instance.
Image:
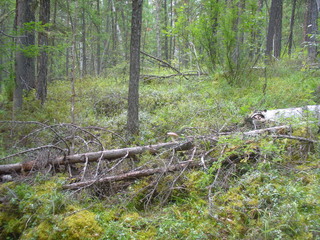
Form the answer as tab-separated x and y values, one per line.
225	185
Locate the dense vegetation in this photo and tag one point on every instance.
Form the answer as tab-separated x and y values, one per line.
205	66
274	196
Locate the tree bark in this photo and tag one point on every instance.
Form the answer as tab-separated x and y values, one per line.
311	28
165	28
274	34
43	58
83	40
158	27
24	64
98	41
290	41
133	96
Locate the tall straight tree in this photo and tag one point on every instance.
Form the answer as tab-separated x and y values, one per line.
274	34
290	40
44	18
311	28
25	63
133	96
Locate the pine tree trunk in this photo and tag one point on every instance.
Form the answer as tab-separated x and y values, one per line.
24	64
133	97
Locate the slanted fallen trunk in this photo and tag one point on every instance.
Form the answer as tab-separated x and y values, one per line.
135	174
95	156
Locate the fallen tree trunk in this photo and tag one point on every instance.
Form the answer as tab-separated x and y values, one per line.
94	156
128	152
135	174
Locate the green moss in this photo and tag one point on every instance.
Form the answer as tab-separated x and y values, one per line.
81	225
43	231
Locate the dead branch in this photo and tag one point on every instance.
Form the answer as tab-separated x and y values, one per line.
95	156
271	130
165	63
30	150
302	139
149	77
135	174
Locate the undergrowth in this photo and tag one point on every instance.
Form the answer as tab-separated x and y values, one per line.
276	196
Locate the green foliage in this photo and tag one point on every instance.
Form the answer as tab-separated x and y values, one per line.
272	193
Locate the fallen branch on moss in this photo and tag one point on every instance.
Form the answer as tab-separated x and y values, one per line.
95	156
276	132
135	174
302	139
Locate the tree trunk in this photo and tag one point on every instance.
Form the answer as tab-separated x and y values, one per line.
24	64
165	28
43	58
290	40
158	27
106	155
98	41
133	97
274	34
83	40
311	28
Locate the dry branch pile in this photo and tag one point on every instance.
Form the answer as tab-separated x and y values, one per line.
80	153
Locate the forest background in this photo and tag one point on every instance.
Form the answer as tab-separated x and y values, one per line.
66	70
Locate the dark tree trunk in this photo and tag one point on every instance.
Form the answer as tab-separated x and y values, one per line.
311	28
274	34
290	40
43	58
24	64
133	97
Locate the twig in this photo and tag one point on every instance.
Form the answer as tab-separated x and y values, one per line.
32	150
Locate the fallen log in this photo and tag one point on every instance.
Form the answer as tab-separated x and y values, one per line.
135	174
129	152
95	156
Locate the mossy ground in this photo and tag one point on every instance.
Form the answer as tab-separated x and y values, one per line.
274	197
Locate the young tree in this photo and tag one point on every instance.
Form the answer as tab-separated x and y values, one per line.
133	96
44	18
